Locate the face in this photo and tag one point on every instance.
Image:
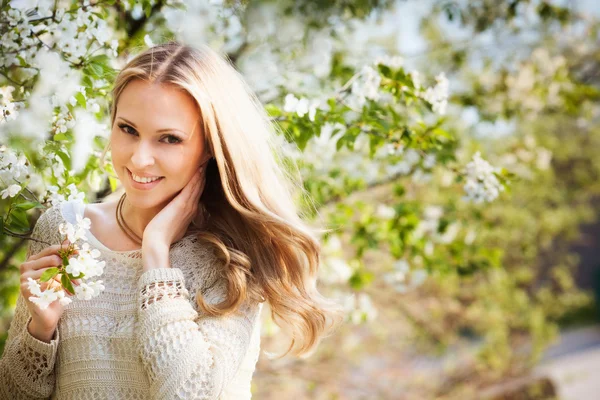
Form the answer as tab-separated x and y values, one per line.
156	134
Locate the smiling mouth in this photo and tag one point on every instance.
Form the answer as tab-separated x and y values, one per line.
144	180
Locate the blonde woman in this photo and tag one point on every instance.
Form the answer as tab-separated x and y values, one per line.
204	234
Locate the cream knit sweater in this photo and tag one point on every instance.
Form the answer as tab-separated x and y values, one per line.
143	337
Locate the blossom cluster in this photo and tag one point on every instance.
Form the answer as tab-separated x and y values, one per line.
482	183
437	95
69	33
365	86
13	168
335	270
360	308
301	106
403	279
83	266
54	197
221	25
8	107
46	39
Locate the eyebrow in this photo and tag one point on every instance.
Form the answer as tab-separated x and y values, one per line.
159	130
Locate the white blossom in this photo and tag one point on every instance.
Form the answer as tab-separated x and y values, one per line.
34	287
301	106
75	232
62	299
420	176
481	182
12	167
360	308
402	279
410	158
44	299
393	62
291	103
11	191
335	270
429	161
544	157
86	263
74	194
8	108
89	290
385	212
437	96
429	223
84	292
365	86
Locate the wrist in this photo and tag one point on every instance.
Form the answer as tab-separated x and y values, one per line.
155	255
40	333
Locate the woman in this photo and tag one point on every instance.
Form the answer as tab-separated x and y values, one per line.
205	232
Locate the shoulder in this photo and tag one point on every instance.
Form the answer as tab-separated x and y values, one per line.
100	210
46	228
49	220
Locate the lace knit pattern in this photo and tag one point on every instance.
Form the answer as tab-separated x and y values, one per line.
142	338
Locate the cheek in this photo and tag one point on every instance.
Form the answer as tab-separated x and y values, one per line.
115	147
119	150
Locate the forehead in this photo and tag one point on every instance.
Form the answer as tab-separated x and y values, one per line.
154	104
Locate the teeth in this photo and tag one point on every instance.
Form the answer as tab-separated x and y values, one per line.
141	179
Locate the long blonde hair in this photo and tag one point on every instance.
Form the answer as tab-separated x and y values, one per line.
269	252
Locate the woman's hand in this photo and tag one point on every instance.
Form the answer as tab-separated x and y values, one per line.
43	322
171	223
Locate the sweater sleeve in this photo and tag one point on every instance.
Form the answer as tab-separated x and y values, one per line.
27	364
188	355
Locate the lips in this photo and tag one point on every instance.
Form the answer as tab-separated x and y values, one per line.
143	186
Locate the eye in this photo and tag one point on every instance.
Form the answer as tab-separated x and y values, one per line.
125	127
171	139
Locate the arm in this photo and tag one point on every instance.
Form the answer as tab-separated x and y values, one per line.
27	364
186	354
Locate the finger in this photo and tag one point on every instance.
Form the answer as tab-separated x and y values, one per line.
189	191
202	184
44	262
195	192
53	283
36	275
45	252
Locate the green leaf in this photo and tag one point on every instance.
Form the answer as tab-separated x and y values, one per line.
148	10
66	282
113	183
360	279
60	136
28	205
19	220
49	274
100	59
81	99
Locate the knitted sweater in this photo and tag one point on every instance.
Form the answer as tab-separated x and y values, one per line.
143	337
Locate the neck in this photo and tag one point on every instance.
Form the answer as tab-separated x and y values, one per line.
138	218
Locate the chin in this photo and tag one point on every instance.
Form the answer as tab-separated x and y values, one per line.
143	200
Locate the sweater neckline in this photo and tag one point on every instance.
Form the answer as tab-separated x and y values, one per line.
79	208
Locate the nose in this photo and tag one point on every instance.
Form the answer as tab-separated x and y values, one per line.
142	156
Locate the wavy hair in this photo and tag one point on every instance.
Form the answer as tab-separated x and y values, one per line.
269	252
